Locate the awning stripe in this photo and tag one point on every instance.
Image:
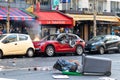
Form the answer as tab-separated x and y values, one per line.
15	14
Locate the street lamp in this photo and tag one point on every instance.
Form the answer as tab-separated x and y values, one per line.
8	16
94	16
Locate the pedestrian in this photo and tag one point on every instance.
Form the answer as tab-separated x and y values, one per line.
45	33
78	33
12	30
24	31
17	30
58	31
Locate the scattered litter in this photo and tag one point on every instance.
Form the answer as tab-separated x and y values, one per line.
60	76
40	68
106	78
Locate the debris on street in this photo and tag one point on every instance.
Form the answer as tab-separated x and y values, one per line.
106	78
60	76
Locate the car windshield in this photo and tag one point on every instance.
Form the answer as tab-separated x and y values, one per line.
50	37
1	36
96	38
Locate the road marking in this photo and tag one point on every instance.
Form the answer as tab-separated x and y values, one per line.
7	79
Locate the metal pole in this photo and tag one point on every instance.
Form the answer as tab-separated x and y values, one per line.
94	27
8	18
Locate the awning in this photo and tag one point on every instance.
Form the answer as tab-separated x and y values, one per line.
53	17
81	17
15	14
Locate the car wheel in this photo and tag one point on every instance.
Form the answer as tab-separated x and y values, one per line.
79	50
108	73
118	49
30	53
50	51
1	54
101	50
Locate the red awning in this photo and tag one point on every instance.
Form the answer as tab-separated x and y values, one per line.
53	17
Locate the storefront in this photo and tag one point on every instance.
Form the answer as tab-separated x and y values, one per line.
85	24
53	22
15	14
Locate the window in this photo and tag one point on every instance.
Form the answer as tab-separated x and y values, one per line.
22	37
29	1
11	38
115	7
1	36
44	2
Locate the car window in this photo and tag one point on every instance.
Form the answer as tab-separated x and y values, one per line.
1	36
22	37
11	38
96	38
53	37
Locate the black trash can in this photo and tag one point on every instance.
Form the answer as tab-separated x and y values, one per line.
96	65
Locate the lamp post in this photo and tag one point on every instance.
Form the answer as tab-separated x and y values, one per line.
94	17
8	16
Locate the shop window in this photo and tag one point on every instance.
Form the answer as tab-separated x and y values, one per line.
44	2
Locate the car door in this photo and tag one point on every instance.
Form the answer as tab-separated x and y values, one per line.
9	45
23	44
111	43
62	45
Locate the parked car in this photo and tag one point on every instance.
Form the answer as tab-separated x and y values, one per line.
60	43
103	43
16	44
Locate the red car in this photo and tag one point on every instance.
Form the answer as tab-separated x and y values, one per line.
60	43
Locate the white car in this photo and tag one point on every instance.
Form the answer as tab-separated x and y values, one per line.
16	44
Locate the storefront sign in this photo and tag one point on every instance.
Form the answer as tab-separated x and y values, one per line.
55	22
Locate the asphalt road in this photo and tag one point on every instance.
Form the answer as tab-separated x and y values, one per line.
21	68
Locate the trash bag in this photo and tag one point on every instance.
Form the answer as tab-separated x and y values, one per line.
64	65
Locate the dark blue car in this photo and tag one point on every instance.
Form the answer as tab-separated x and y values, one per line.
103	43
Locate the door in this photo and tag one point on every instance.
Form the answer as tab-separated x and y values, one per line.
63	44
111	43
9	45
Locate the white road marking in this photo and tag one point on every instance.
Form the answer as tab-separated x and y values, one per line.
7	79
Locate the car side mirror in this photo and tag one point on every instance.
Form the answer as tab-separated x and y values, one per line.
5	41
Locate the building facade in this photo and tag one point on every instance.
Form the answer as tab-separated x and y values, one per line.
77	9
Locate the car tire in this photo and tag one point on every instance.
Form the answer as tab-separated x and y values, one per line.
108	73
30	53
79	50
118	51
1	54
101	50
50	51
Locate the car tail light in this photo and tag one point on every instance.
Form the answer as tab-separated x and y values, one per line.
38	44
